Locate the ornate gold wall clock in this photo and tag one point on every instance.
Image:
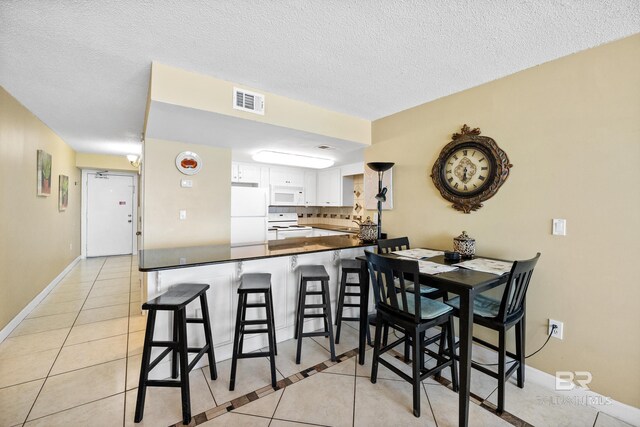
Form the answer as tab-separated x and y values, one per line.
470	169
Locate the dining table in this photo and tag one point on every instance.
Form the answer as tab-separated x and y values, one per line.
463	282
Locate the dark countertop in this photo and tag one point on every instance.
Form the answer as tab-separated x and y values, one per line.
334	228
171	258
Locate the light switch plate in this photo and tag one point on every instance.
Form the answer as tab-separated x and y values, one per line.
183	214
186	183
559	227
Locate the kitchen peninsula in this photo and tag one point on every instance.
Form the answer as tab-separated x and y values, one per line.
222	266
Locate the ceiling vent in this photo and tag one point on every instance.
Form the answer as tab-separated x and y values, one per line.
248	101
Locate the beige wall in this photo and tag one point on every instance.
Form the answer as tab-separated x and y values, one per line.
571	128
207	203
36	240
180	87
103	162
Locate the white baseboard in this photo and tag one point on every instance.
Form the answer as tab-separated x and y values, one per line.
619	410
4	333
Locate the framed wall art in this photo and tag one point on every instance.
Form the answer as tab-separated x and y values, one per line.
44	173
63	192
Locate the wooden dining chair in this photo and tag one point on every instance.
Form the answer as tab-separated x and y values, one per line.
386	246
412	313
502	315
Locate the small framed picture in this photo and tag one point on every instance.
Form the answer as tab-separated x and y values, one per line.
63	193
44	173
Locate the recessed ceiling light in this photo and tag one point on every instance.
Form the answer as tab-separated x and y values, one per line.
289	159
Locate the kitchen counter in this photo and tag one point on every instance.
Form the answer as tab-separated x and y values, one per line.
173	258
222	268
353	230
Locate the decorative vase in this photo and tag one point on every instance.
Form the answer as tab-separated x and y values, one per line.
464	245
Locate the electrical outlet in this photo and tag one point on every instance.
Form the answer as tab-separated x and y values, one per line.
559	328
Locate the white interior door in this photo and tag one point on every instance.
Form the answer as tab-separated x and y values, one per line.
110	218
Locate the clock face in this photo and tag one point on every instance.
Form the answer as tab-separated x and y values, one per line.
470	169
467	170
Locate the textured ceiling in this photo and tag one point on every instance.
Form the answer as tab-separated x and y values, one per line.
83	66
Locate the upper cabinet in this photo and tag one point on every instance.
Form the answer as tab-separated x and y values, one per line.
326	187
329	187
352	169
310	188
286	177
245	173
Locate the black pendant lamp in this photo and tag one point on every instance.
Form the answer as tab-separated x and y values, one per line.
381	197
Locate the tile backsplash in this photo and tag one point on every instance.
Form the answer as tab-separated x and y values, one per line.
342	216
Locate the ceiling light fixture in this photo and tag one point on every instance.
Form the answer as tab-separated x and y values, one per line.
289	159
134	159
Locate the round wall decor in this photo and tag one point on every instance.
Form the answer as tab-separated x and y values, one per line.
470	169
188	162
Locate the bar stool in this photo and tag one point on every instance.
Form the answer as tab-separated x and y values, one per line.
175	300
314	273
348	266
254	283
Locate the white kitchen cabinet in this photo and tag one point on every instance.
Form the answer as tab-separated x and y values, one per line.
245	173
352	169
329	187
286	177
310	188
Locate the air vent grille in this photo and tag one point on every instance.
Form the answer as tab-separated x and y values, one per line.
248	101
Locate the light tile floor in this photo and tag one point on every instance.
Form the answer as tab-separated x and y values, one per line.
75	361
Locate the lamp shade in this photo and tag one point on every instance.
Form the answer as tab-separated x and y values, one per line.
380	166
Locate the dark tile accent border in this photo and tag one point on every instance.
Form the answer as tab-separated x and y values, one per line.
305	373
265	391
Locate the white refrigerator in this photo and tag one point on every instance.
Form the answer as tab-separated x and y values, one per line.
248	215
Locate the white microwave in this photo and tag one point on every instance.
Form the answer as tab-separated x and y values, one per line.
287	196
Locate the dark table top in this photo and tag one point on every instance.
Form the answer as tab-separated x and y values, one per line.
461	277
182	257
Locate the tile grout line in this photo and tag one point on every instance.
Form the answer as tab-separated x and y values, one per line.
355	387
215	402
82	404
277	404
126	354
433	414
299	422
60	350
